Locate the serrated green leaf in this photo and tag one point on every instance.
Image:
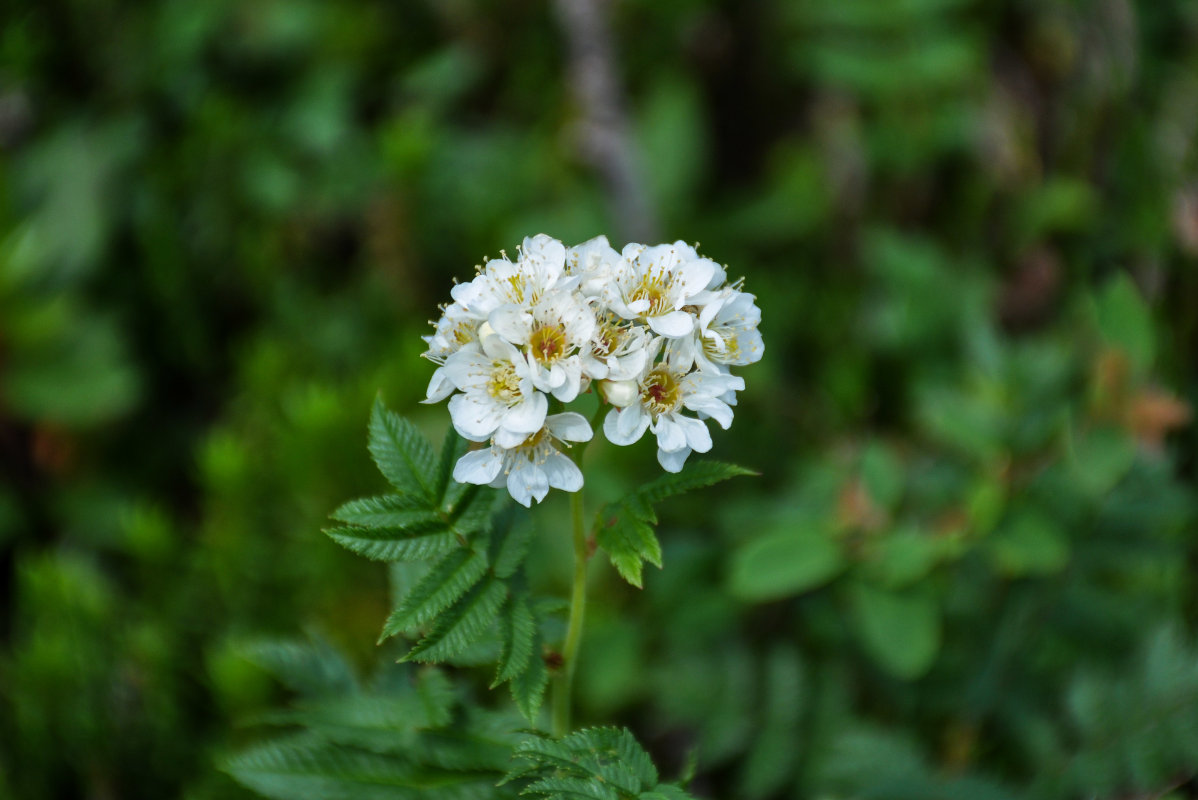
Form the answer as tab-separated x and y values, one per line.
634	756
609	757
784	563
474	509
452	448
512	536
442	585
528	687
628	542
563	787
695	475
666	791
393	544
437	697
518	629
901	630
462	624
385	511
312	667
546	752
311	768
402	454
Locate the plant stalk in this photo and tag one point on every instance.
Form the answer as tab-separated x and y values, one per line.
564	682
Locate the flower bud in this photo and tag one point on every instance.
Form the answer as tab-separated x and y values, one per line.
619	393
484	331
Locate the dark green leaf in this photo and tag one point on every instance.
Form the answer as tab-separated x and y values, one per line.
393	544
462	624
445	582
695	475
385	511
518	630
402	454
445	489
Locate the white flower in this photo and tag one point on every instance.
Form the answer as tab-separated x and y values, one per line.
539	268
531	467
726	334
456	329
498	397
593	262
654	284
553	331
665	391
618	351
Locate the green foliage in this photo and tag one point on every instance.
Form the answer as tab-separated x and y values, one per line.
625	527
398	736
473	590
593	763
970	228
1133	733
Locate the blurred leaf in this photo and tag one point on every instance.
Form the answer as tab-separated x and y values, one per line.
1060	204
1100	458
883	475
1029	544
901	630
785	562
1125	320
903	556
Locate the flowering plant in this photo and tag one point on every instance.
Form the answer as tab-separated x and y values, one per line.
654	329
653	333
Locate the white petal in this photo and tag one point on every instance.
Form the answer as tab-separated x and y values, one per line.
473	419
670	435
698	438
527	482
672	461
512	323
569	427
439	386
528	415
713	407
694	276
632	420
562	473
479	466
509	439
568	390
672	325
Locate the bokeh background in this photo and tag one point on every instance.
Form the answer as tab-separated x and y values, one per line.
967	567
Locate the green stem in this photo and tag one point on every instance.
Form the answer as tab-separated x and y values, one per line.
564	681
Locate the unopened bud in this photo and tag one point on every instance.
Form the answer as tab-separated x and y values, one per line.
619	393
485	330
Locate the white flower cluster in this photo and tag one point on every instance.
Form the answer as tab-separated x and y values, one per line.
653	329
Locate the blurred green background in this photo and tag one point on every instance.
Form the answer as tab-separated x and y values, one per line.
972	226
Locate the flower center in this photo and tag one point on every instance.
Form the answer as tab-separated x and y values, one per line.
728	351
611	336
654	287
661	392
548	343
504	385
463	332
